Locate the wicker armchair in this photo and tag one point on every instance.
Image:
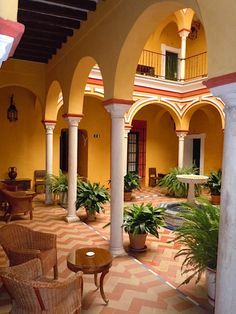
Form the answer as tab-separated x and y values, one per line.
18	202
31	293
22	244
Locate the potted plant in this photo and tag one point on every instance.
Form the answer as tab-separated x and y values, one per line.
131	182
139	220
174	186
59	187
198	236
214	184
91	196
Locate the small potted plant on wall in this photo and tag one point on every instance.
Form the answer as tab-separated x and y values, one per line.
91	196
131	182
139	220
214	184
198	236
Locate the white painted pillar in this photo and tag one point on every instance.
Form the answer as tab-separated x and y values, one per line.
49	127
127	130
226	269
73	121
181	135
183	34
117	112
6	43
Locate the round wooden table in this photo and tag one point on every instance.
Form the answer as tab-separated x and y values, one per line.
91	260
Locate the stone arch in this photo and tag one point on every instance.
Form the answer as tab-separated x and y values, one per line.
135	40
54	101
171	108
77	88
194	106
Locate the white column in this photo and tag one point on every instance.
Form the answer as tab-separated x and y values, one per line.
49	127
117	112
73	121
127	130
226	269
183	34
181	135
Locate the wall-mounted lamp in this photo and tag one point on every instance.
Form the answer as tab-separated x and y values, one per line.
194	30
12	113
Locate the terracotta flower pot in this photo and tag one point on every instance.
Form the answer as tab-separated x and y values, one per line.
137	241
127	196
215	199
211	285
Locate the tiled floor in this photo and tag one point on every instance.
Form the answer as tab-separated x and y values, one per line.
144	283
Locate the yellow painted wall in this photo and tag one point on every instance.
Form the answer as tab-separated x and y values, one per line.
23	141
96	121
9	10
162	142
210	125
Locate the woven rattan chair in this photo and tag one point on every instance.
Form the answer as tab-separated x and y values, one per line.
22	244
19	202
31	293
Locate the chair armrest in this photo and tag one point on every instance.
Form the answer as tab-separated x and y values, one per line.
54	293
42	240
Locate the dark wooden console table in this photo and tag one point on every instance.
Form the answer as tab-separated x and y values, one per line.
20	184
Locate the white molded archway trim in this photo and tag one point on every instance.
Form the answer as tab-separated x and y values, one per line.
6	43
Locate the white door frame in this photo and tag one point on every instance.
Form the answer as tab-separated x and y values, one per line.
165	48
202	137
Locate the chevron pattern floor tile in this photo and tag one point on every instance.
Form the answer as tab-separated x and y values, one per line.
144	283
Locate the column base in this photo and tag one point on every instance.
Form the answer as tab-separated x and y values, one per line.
72	219
117	251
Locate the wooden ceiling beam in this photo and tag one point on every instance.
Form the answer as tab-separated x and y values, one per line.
45	35
52	10
43	41
30	58
87	5
26	16
40	26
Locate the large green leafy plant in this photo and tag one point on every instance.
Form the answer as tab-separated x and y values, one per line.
199	237
214	182
91	196
173	185
143	218
131	181
57	184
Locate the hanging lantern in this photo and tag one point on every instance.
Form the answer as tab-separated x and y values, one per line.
12	113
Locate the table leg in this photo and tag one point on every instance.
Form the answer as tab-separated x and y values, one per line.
96	280
101	286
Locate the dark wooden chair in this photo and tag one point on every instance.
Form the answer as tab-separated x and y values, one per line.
30	292
22	244
152	175
40	180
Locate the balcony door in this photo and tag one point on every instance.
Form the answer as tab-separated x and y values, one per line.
171	68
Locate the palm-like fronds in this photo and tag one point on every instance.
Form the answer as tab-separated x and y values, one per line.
173	185
57	184
199	236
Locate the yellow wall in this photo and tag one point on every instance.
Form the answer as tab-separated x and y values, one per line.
161	143
96	120
9	10
210	125
23	141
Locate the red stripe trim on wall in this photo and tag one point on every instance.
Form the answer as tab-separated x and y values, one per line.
221	80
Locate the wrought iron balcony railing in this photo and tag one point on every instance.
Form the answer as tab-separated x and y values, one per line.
155	64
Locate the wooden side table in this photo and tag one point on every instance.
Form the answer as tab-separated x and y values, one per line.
91	260
21	184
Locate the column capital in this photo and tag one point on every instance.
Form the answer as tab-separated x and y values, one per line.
73	119
181	133
183	33
117	110
49	125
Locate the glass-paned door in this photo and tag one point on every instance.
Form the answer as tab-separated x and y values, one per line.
133	148
171	66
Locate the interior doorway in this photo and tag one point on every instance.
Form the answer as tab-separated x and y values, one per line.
194	151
